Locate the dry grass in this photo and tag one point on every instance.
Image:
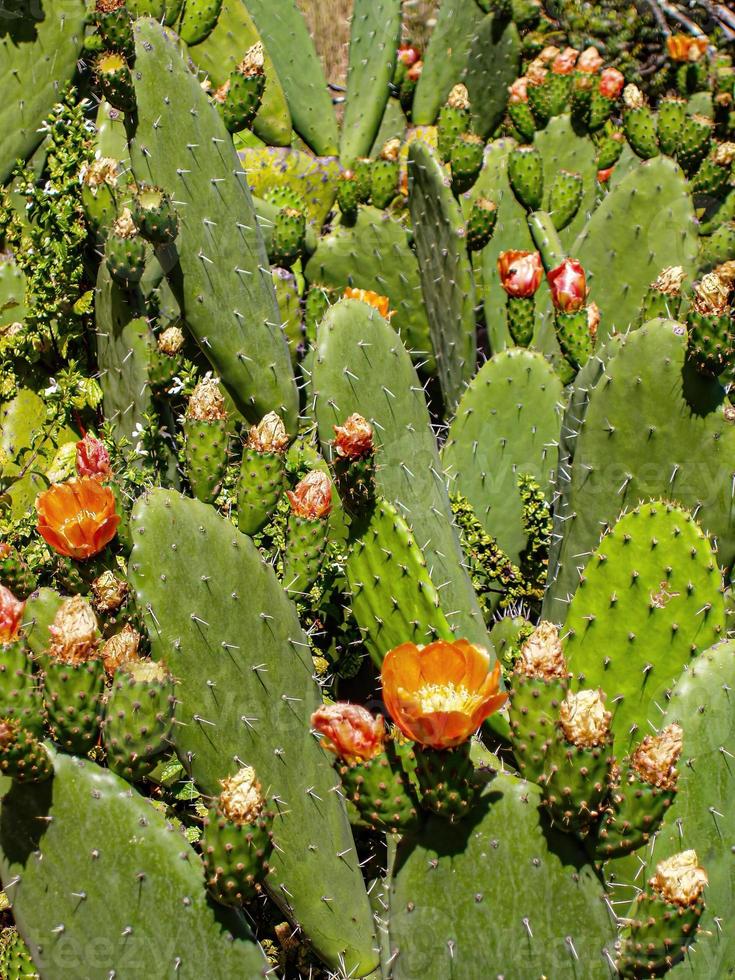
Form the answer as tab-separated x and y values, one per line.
329	23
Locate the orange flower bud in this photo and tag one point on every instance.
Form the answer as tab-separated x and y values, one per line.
93	459
518	91
414	72
354	439
312	496
604	175
568	286
611	83
11	615
350	731
593	319
520	272
77	518
440	694
589	61
269	435
408	54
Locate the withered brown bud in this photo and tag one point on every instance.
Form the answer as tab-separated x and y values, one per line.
108	592
542	655
100	172
669	281
656	757
633	97
312	496
584	720
121	649
679	879
207	403
253	62
170	341
74	633
459	97
269	435
124	226
241	799
354	439
391	149
710	295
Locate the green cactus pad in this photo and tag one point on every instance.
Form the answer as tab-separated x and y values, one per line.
287	41
73	698
235	856
374	37
96	837
446	272
311	181
381	792
22	757
20	691
636	218
562	149
452	914
230	307
125	258
565	197
507	423
407	469
702	705
198	20
466	161
668	437
393	598
306	542
375	254
218	617
533	710
138	719
39	49
15	958
493	63
224	48
259	489
575	782
526	175
649	599
445	58
639	126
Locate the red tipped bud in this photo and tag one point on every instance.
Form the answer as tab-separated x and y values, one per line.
312	496
589	61
604	175
11	615
350	731
563	64
568	286
408	54
611	83
518	91
520	272
354	439
92	458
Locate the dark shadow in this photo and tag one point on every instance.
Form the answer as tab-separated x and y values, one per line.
567	847
19	20
703	394
24	819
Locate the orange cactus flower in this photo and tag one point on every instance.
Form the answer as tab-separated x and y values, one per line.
440	694
520	272
77	518
311	498
682	47
11	615
350	731
381	303
92	458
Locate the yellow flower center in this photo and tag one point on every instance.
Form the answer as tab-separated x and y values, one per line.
446	697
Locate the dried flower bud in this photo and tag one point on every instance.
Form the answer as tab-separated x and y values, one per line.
710	295
170	341
108	592
354	439
74	633
564	62
536	73
391	149
568	286
312	496
656	757
98	173
93	459
121	649
633	97
584	720
611	83
669	281
593	319
548	54
207	403
724	154
220	94
679	879
241	800
11	615
518	91
589	61
350	731
542	655
269	435
520	272
458	98
726	272
124	226
253	62
149	671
